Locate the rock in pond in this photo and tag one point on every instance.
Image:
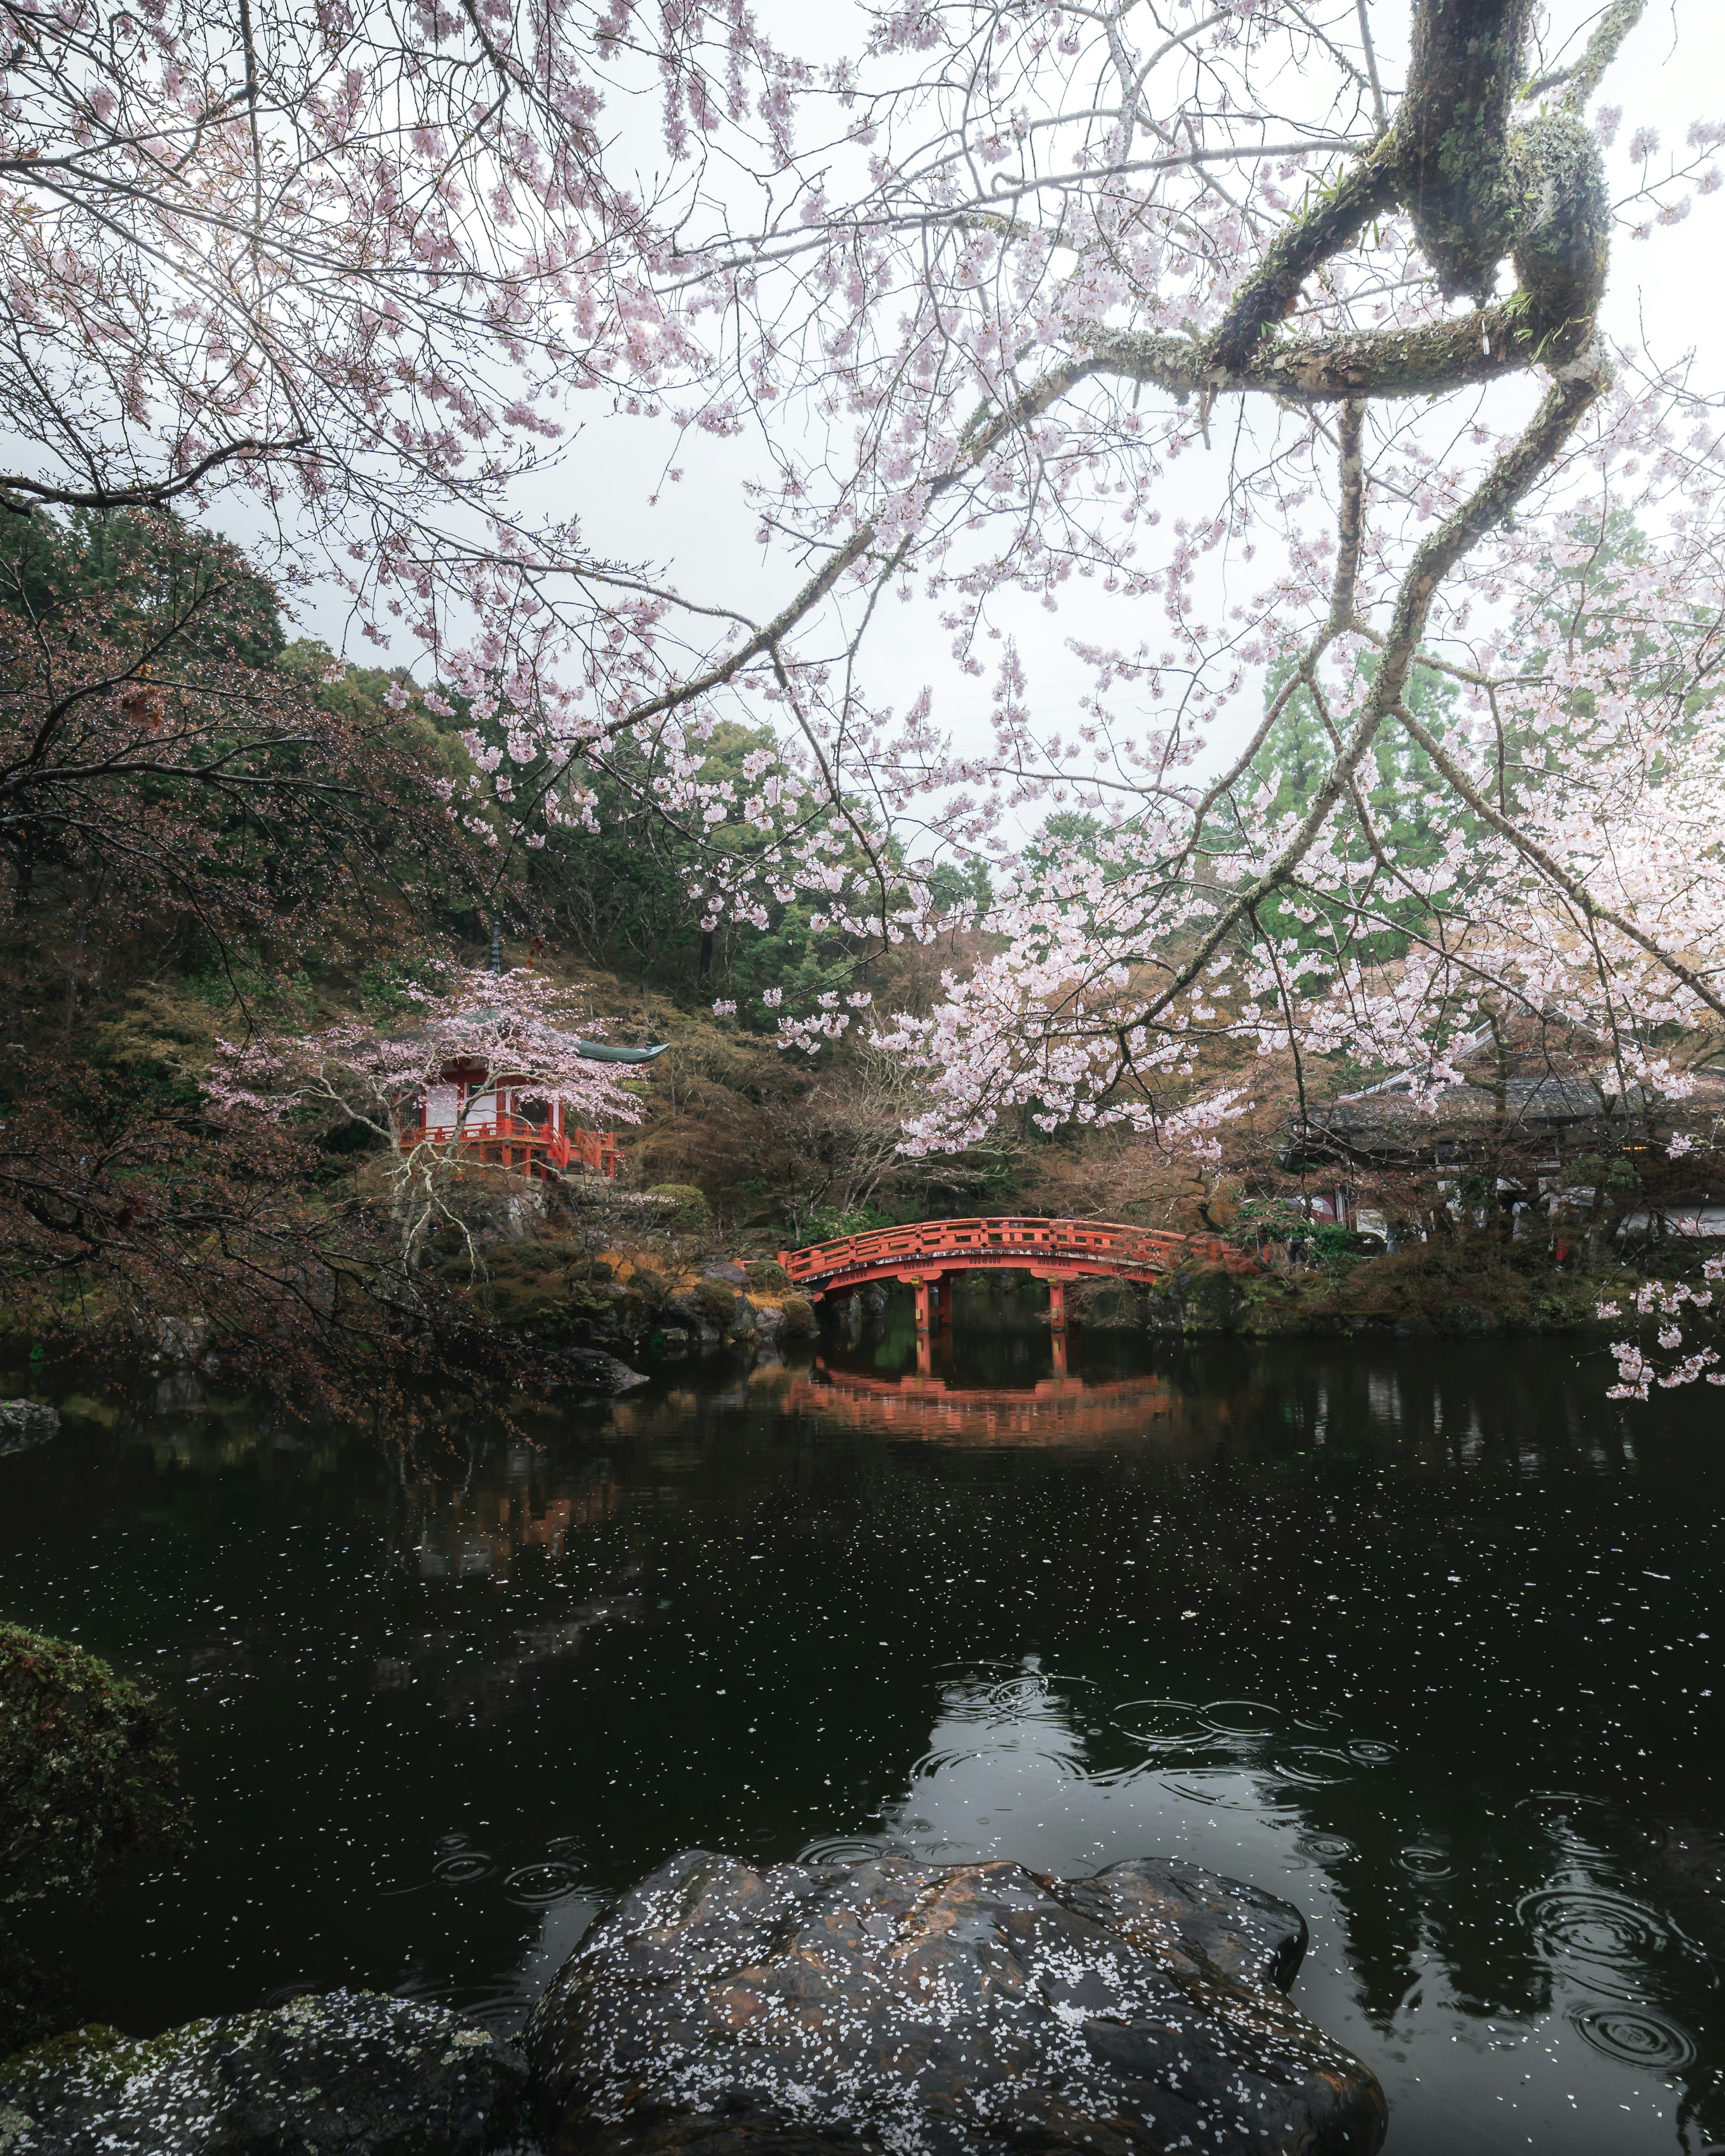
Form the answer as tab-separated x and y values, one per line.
25	1423
350	2073
941	2009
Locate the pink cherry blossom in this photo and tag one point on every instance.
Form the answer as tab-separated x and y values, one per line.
513	1028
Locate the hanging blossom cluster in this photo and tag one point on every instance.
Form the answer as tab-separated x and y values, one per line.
1537	839
1668	1360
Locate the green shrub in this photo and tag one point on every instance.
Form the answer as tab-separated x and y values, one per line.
766	1276
522	1283
688	1214
84	1776
1336	1247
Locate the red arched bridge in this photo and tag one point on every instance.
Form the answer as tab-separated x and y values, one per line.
1054	1251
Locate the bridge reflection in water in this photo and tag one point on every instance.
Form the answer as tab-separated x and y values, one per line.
1057	1410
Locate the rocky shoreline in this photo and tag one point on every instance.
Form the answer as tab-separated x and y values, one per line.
346	2074
803	2010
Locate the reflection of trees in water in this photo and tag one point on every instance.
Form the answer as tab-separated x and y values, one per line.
519	1502
481	1690
1009	1726
1452	1403
1399	1527
1560	1906
1555	1906
480	1531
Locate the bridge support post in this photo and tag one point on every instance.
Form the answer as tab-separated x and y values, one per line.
922	1313
1056	1305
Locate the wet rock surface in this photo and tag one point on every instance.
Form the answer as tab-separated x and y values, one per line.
345	2074
939	2008
26	1423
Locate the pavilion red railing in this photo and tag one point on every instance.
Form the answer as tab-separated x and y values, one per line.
594	1151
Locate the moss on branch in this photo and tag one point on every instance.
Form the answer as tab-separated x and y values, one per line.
1451	141
1480	189
1503	339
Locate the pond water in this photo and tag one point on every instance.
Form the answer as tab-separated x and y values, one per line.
1416	1635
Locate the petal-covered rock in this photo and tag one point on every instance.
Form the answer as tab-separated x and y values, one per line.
345	2074
940	2010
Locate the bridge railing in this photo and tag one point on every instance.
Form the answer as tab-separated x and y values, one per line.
1106	1242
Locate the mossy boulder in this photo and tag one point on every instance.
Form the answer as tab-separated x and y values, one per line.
1197	1299
345	2074
85	1777
800	1322
533	1282
714	1303
826	2010
25	1423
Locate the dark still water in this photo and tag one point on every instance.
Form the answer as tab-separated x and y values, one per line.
1418	1638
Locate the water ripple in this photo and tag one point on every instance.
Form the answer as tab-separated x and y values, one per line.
1637	2036
1163	1724
1313	1766
842	1849
1018	1695
1243	1718
1222	1790
1424	1861
463	1868
1584	1926
537	1885
1327	1848
1592	1827
937	1762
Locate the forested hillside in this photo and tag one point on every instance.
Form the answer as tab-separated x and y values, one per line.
215	832
218	835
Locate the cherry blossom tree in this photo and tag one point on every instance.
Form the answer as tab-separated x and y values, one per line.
1394	310
973	300
515	1029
